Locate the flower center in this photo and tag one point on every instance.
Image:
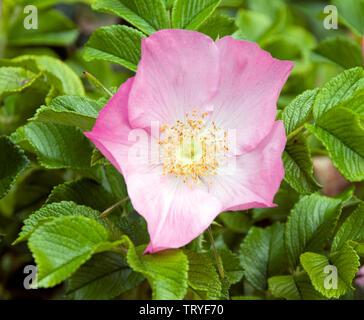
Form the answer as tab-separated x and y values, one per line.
192	149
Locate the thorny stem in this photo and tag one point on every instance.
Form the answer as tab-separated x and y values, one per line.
109	210
218	263
96	82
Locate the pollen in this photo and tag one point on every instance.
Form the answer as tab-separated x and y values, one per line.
192	149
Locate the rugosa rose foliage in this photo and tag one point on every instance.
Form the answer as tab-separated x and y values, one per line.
202	94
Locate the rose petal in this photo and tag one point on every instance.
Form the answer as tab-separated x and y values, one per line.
175	213
178	73
251	81
256	177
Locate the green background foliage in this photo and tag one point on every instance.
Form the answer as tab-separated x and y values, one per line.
54	184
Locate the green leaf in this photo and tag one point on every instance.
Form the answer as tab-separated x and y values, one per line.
169	4
70	110
355	102
117	44
13	161
310	225
64	208
341	51
56	146
293	288
342	134
54	30
98	158
89	193
60	77
105	276
85	192
231	264
351	14
190	14
351	229
337	90
62	245
166	271
202	276
15	79
318	267
261	254
358	247
285	199
237	221
218	26
113	181
298	111
134	226
147	15
298	166
253	25
41	4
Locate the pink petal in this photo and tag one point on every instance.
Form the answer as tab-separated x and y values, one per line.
251	81
175	213
178	73
112	128
256	177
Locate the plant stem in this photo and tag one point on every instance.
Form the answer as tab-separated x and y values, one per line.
294	133
109	210
218	263
96	82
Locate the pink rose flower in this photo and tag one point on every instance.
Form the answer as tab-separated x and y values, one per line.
203	94
360	277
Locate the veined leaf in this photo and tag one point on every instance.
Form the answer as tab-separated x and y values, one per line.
338	90
166	271
298	166
147	15
105	276
298	111
62	245
218	26
341	51
332	276
55	30
355	102
351	14
12	161
56	146
262	253
117	44
60	77
231	264
342	134
310	225
15	79
202	276
189	14
351	229
64	208
70	110
85	192
293	288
